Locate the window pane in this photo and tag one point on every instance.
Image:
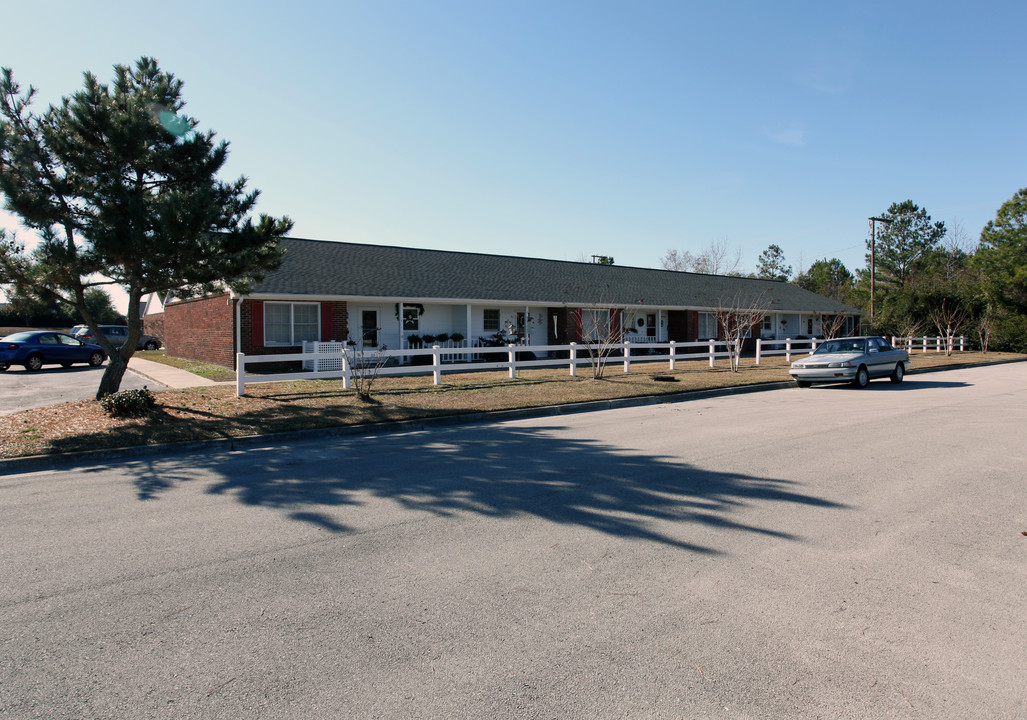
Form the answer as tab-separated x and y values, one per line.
305	323
411	318
595	325
491	320
277	324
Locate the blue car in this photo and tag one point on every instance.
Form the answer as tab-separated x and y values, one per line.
37	348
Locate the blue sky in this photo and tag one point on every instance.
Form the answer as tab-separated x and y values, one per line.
564	129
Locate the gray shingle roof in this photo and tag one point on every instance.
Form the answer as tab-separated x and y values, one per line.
315	268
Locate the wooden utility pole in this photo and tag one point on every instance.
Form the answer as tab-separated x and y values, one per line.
873	261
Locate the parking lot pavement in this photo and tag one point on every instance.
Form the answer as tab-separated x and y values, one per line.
24	390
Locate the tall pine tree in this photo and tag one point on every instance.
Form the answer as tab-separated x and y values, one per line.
121	187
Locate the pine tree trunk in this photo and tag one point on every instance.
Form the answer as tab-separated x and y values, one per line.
112	375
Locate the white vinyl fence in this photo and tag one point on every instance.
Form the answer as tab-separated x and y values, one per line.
785	347
335	360
925	343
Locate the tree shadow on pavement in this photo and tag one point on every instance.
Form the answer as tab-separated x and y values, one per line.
494	471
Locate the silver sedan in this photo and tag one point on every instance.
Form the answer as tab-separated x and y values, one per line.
854	360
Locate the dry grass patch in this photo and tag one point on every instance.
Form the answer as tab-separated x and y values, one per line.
215	411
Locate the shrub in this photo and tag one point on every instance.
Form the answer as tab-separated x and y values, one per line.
128	403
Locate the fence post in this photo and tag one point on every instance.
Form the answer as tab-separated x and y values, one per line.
788	349
346	370
813	345
627	356
673	355
574	359
712	342
240	374
925	343
436	365
759	349
962	339
513	361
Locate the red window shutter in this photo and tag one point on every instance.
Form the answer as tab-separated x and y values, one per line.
614	323
576	320
326	321
257	323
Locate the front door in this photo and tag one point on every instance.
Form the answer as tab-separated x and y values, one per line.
369	328
650	325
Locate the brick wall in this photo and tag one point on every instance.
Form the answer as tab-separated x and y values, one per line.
204	329
201	329
154	325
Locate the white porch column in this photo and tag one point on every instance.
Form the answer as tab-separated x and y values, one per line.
400	328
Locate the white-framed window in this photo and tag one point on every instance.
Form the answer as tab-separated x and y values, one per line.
707	326
595	325
291	323
490	319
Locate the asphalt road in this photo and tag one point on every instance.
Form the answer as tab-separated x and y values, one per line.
24	390
823	553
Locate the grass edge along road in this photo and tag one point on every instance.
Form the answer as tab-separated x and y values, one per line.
214	412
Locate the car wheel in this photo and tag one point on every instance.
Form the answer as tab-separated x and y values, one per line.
96	359
151	345
803	383
862	378
898	374
34	363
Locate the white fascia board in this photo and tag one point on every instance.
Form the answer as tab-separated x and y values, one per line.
314	297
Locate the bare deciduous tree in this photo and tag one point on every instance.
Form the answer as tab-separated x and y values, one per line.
985	324
717	259
602	332
909	328
737	317
948	318
365	362
831	326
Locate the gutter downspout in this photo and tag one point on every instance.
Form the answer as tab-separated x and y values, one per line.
238	323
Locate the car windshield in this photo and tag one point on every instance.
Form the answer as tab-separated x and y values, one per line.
842	346
18	337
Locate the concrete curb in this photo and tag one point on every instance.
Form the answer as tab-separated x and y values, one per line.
49	462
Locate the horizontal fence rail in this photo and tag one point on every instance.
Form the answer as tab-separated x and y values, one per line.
925	343
335	360
770	347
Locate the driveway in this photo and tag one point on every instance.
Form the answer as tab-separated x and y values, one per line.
23	390
816	553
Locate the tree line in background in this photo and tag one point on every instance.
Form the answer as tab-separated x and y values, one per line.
33	311
921	278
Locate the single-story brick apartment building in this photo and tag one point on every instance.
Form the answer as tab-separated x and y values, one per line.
393	296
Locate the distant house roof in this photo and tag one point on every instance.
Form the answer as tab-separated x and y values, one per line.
320	269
